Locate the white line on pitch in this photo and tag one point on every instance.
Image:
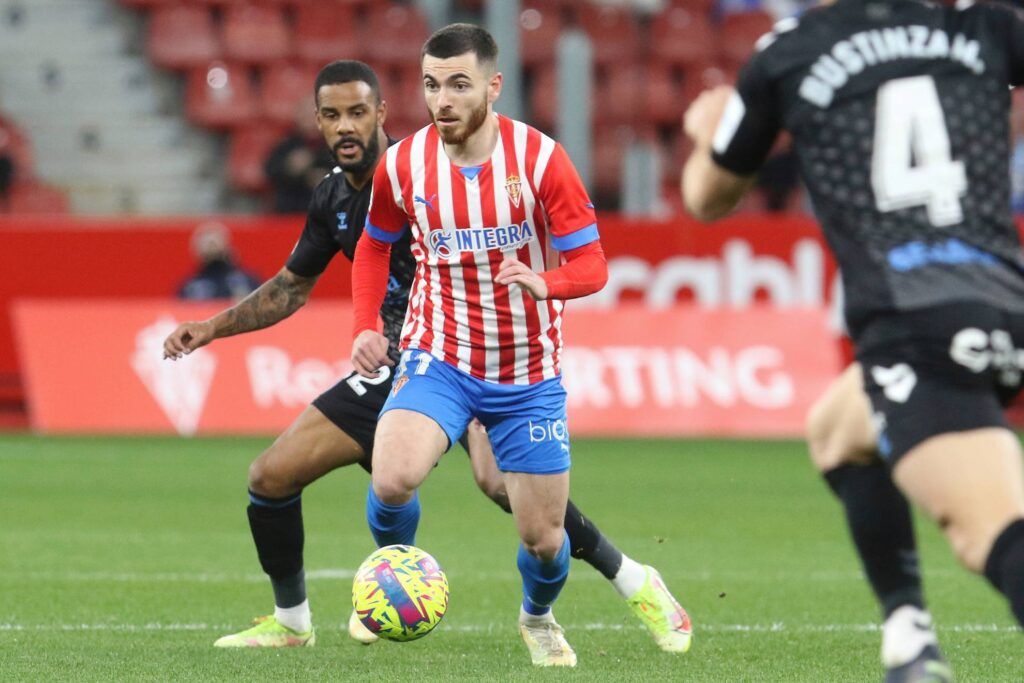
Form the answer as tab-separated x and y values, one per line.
170	577
777	627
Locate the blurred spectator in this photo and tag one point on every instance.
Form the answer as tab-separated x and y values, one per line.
218	277
1017	152
298	163
7	168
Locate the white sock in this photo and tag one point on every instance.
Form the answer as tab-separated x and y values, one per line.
533	619
905	633
631	577
297	618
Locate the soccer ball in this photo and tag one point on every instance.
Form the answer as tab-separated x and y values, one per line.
400	593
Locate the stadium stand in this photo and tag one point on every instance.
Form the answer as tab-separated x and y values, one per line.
256	58
180	37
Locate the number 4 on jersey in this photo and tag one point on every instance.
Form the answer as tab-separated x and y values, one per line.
910	127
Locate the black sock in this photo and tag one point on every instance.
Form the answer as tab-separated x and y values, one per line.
883	532
276	525
1005	566
587	543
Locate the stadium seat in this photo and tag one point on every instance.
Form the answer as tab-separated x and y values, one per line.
680	36
539	30
740	32
700	77
248	153
705	7
543	98
326	31
613	32
34	196
180	37
220	95
663	101
283	87
403	90
607	156
256	34
619	94
394	34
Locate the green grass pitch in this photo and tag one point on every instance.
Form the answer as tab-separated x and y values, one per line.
123	559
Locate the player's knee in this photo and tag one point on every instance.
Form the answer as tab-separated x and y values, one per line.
972	540
971	549
264	480
818	432
267	480
544	545
393	488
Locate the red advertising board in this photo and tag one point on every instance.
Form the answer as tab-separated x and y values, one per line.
95	366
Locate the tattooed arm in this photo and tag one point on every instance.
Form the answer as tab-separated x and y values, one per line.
270	303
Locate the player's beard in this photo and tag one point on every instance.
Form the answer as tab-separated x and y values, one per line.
476	119
371	150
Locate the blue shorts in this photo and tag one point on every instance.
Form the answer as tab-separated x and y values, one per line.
526	423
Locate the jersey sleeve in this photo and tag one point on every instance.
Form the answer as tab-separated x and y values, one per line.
316	247
750	123
386	221
571	213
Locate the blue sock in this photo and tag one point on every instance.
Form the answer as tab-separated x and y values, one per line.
542	581
391	524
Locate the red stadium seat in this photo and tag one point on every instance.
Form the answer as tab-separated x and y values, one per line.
619	95
326	31
681	36
700	77
220	96
180	37
394	34
283	88
543	98
256	34
403	91
33	196
539	30
607	155
741	31
663	99
613	32
248	152
705	7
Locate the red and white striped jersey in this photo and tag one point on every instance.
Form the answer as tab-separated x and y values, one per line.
527	199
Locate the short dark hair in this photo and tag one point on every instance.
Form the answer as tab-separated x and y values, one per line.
346	71
458	39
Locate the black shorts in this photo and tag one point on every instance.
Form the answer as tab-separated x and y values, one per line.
945	369
354	404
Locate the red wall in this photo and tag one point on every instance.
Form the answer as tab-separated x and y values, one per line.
50	257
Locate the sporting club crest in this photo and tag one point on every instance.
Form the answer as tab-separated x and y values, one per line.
181	388
399	383
514	188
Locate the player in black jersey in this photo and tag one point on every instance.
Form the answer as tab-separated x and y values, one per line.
899	113
338	428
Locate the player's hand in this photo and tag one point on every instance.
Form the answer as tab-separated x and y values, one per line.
369	353
514	272
701	120
188	337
